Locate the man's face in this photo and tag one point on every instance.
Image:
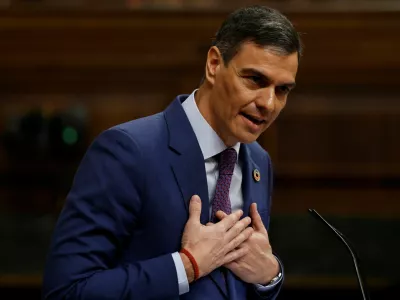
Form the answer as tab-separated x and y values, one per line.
249	93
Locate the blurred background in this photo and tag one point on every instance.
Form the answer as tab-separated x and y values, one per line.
70	69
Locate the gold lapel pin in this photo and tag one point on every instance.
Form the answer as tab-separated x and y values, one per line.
256	175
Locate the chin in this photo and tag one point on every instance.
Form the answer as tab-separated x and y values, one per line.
247	138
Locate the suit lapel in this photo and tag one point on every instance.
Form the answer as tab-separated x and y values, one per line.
251	188
187	160
218	278
187	163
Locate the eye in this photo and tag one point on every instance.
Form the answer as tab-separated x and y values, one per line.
283	89
258	80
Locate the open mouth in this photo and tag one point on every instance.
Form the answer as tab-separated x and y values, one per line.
253	119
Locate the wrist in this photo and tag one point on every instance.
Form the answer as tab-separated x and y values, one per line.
274	280
274	276
188	267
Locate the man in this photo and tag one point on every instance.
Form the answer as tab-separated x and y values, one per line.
176	205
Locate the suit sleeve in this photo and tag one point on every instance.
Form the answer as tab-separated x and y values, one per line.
272	294
100	212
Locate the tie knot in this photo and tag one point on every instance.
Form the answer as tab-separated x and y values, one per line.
227	161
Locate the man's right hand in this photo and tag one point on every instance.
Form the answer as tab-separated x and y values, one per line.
213	245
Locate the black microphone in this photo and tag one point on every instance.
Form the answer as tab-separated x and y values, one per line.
356	260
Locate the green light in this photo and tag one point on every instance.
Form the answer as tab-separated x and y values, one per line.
70	135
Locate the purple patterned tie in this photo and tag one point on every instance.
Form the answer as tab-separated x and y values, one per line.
221	200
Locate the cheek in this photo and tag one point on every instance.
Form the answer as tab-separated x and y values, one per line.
232	105
280	105
276	113
235	90
234	97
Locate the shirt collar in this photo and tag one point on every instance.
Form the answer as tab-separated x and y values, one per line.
209	141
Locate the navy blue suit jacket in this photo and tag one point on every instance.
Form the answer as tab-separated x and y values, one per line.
127	209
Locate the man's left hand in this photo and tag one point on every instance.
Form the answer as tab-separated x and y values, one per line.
259	265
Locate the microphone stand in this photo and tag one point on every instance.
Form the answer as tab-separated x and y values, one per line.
356	260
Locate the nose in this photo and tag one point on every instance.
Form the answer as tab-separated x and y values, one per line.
267	101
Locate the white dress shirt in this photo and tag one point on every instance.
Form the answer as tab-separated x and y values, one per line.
210	145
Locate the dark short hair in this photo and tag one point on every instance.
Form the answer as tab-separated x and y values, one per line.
262	25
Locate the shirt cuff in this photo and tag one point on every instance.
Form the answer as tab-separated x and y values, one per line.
181	273
265	288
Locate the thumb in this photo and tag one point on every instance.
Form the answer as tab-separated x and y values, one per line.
256	220
195	208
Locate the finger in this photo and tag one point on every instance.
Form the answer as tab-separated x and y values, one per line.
238	240
233	264
220	215
234	255
195	209
237	229
230	220
257	222
209	224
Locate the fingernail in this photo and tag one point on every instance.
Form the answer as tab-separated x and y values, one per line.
196	198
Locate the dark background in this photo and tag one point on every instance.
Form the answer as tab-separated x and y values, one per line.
70	69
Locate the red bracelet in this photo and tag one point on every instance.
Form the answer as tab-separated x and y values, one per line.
193	262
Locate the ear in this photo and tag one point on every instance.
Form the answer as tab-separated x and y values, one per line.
213	64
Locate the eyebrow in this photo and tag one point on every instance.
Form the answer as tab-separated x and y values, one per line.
256	72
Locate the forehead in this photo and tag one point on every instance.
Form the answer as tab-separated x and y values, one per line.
267	61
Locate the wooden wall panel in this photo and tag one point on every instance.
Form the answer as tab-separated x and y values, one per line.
98	51
331	145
